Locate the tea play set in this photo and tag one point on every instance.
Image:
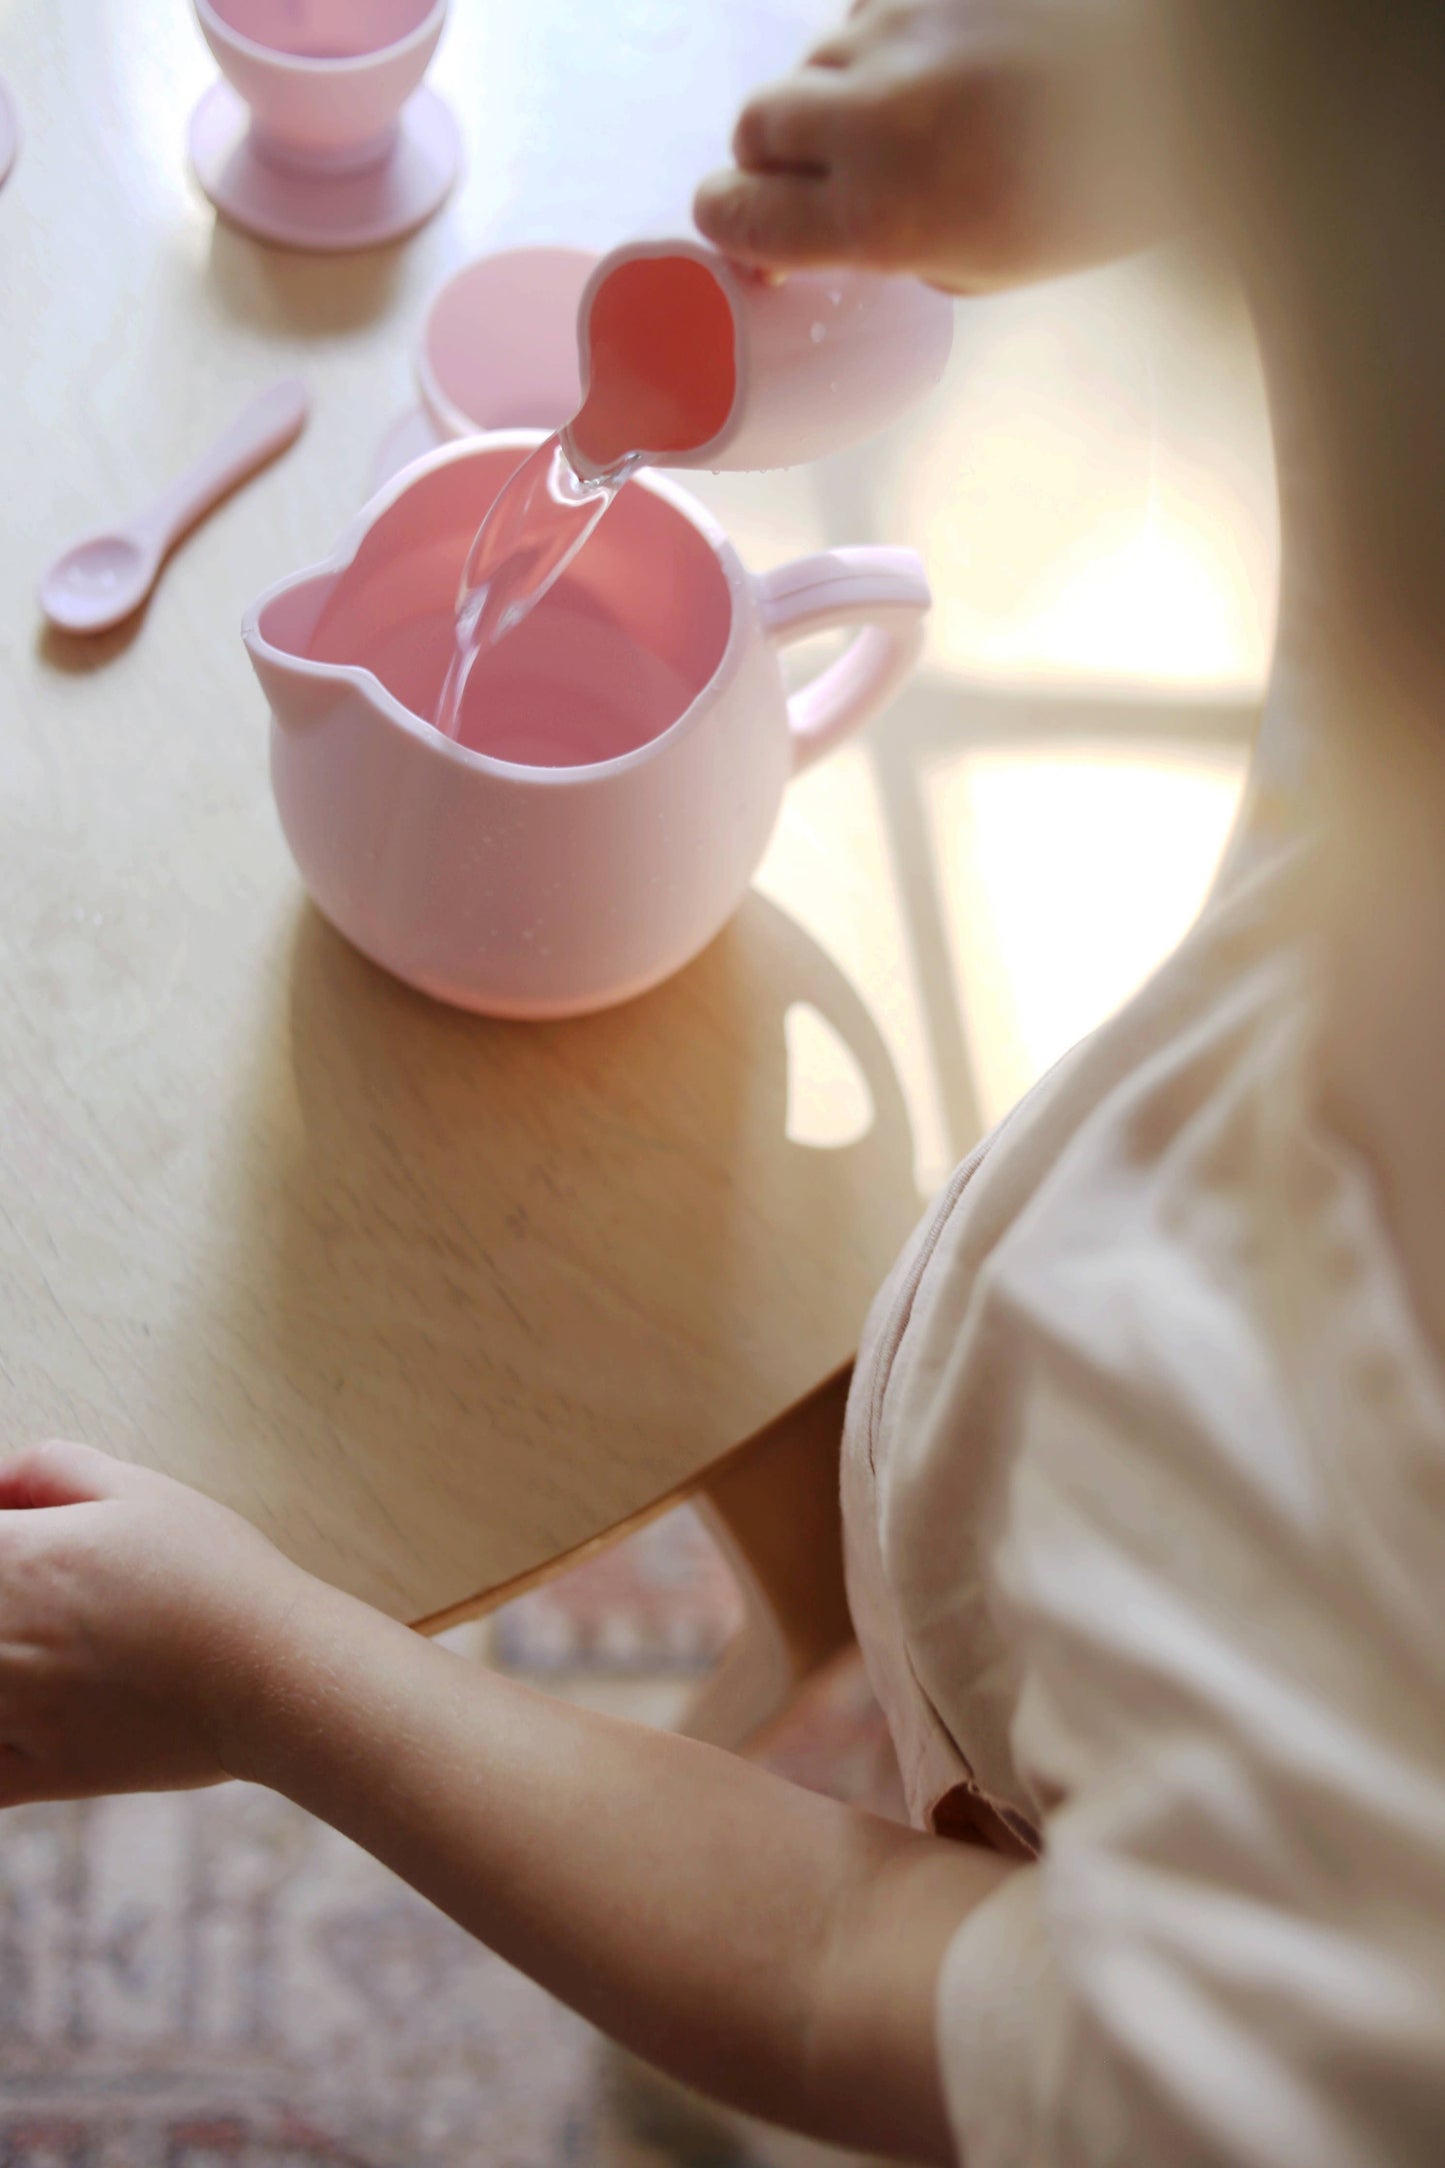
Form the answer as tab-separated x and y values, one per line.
571	820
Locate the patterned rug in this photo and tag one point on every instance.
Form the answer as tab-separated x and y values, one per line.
214	1980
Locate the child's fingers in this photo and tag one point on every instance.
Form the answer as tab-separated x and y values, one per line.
791	127
839	50
60	1473
783	221
18	1776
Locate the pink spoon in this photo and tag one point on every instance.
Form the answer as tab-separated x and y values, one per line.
103	578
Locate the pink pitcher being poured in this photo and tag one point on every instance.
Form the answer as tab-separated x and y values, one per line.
688	361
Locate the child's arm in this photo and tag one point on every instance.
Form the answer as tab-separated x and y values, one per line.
774	1948
974	143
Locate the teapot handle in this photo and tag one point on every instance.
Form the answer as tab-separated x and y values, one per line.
885	593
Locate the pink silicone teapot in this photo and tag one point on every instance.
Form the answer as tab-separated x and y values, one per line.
637	741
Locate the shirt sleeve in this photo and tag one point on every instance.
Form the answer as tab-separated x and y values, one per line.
995	2002
1225	2032
1131	2002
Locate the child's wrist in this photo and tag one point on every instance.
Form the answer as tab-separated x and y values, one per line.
263	1668
316	1678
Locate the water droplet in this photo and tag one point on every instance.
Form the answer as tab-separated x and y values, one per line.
818	333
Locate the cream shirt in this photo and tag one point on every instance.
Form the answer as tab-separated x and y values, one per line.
1145	1491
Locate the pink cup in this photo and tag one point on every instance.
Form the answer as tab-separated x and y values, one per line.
696	363
326	80
320	135
624	751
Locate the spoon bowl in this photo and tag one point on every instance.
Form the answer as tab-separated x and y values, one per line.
98	582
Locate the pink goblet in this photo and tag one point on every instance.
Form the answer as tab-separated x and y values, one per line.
321	134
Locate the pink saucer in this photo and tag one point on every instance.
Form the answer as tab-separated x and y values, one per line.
9	134
499	348
498	351
326	211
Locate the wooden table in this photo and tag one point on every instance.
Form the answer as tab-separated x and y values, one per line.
438	1301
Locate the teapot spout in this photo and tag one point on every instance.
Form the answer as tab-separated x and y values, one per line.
279	632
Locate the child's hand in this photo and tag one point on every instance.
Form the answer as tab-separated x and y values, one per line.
135	1618
775	1946
974	143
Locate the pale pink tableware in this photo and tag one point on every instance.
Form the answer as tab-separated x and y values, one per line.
696	363
100	580
499	347
623	752
498	350
9	134
322	136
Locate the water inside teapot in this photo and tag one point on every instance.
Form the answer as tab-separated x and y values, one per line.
537	523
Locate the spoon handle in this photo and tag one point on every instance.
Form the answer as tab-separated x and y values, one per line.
265	428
